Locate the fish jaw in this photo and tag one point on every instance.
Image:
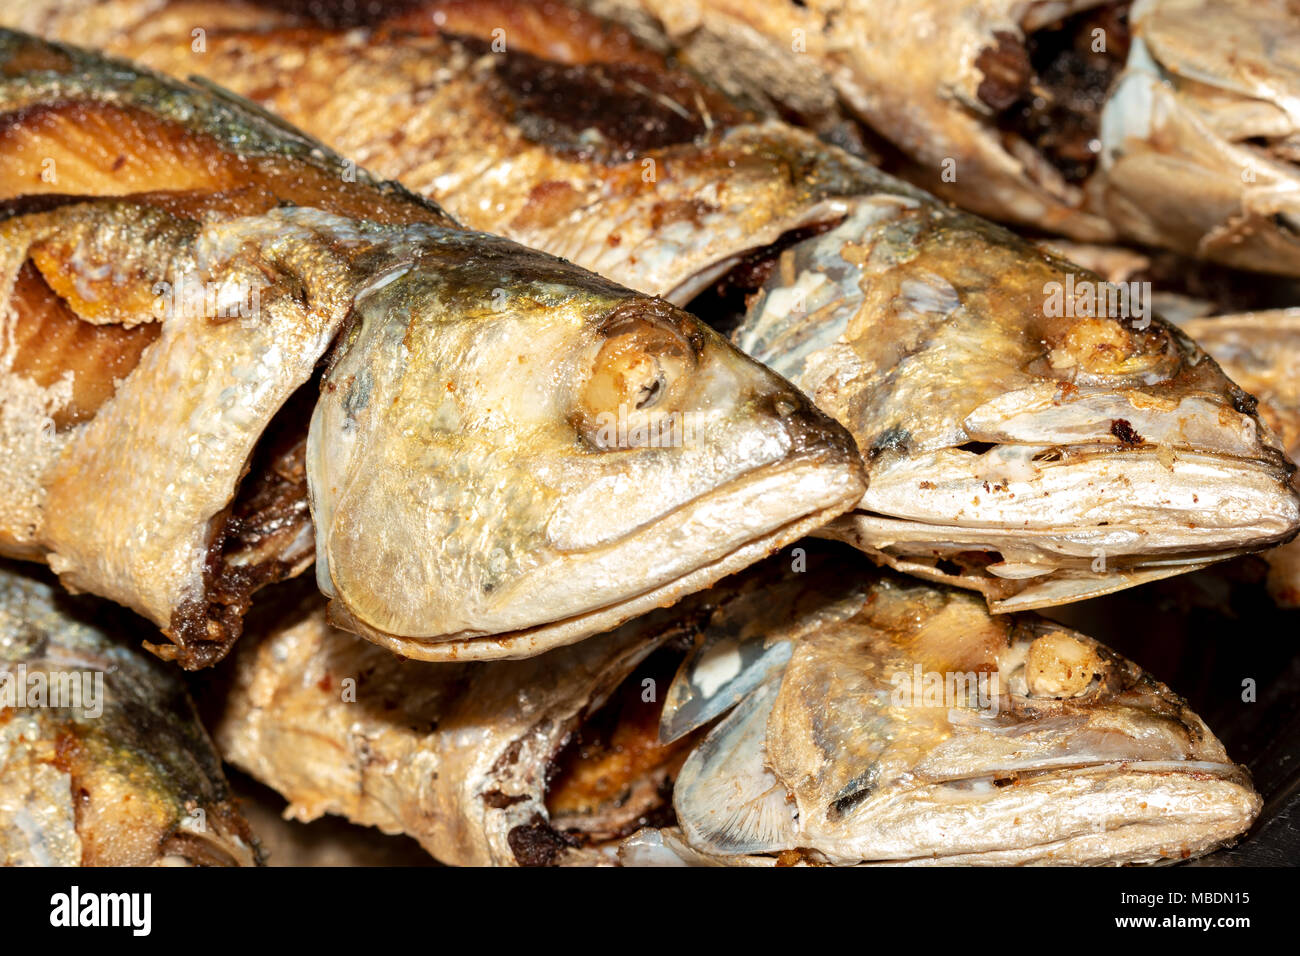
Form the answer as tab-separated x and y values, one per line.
1051	749
530	475
1087	511
1050	457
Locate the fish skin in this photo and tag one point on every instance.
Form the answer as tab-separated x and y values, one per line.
454	755
824	762
1202	85
910	70
138	784
1205	109
554	348
917	370
1261	350
912	284
466	127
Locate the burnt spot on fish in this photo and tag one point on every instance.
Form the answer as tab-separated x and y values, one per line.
605	112
536	843
1006	70
498	800
1121	429
341	14
1242	401
1049	88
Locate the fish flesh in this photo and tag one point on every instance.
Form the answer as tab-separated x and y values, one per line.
1011	445
887	721
461	756
228	352
754	722
1261	350
103	761
1165	122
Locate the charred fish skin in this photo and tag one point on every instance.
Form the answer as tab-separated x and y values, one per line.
103	761
1120	454
905	714
610	424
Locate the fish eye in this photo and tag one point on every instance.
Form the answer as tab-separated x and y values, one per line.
635	379
1059	666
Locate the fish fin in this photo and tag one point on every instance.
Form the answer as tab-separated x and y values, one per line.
1066	587
726	798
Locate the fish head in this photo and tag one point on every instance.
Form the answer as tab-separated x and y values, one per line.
916	727
504	440
1029	430
1198	137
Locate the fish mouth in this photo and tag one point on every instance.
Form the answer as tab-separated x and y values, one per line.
739	523
1035	526
1101	810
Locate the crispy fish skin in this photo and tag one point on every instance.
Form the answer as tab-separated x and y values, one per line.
456	755
858	744
1261	350
542	429
590	149
1201	134
127	776
928	76
1165	122
1121	453
781	702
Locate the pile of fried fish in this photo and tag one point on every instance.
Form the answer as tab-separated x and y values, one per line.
572	433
